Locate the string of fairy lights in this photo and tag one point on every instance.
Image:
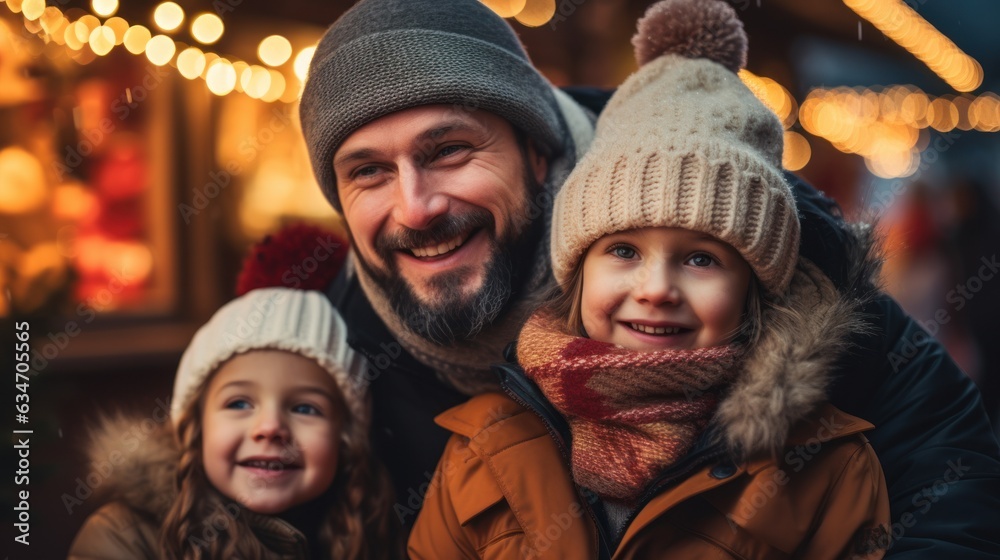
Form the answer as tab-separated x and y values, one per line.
87	36
888	127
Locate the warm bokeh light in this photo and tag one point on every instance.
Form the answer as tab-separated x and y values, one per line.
160	50
773	95
136	39
256	80
168	16
22	182
33	26
72	38
302	60
207	28
984	113
74	202
942	114
221	77
274	50
890	165
536	12
89	24
191	62
104	8
33	9
239	67
962	105
55	26
906	27
797	151
505	8
14	6
210	57
102	40
119	26
97	255
277	88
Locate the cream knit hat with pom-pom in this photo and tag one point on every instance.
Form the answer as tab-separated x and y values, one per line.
684	143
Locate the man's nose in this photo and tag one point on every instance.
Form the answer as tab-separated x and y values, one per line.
418	200
656	284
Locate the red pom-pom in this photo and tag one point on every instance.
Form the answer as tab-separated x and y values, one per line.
693	29
299	256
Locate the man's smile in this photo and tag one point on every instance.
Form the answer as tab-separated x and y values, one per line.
441	248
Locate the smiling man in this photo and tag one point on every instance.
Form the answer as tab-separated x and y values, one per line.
440	144
442	209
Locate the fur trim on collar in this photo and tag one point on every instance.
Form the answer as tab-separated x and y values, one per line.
143	462
788	371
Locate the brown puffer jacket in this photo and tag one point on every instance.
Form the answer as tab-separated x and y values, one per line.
811	486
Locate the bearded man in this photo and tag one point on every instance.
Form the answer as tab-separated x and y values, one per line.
441	146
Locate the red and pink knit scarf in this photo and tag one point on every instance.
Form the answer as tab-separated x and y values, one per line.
631	413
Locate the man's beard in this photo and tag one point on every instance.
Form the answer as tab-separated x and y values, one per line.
452	317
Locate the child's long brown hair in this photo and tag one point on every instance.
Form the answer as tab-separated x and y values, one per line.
204	524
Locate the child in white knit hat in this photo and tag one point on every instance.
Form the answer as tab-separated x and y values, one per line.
670	402
267	452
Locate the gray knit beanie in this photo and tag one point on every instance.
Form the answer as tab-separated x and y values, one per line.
384	56
302	322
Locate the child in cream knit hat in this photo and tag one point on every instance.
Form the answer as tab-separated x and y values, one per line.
266	454
688	352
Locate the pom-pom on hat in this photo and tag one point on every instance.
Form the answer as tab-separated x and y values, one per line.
302	322
684	143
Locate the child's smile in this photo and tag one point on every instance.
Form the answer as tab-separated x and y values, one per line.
271	430
663	288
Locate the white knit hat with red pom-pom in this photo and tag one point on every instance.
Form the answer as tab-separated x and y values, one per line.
684	143
302	322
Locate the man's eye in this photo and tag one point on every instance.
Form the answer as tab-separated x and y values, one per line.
305	409
449	150
623	252
366	171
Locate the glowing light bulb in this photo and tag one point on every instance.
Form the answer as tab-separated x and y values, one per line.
505	8
102	40
160	49
191	63
537	13
221	77
302	60
207	28
136	39
168	16
256	81
274	50
104	8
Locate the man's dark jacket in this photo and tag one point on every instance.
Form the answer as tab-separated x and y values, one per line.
932	435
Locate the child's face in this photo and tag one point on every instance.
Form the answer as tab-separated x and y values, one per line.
271	430
663	288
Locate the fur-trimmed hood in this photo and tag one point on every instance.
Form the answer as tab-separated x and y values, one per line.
788	370
143	461
140	489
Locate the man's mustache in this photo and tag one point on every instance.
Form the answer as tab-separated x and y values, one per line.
443	229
